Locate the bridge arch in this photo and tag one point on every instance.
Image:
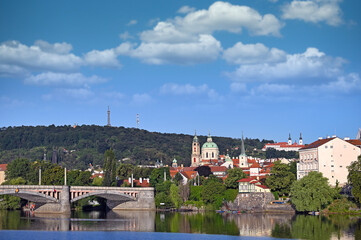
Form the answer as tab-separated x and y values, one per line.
109	195
30	196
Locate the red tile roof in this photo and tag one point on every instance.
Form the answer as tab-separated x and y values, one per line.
317	143
137	183
218	168
189	174
255	165
355	142
3	167
263	186
246	179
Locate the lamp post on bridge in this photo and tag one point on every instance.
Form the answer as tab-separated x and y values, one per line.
65	176
40	176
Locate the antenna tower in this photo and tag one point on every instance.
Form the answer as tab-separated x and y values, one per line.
137	120
108	117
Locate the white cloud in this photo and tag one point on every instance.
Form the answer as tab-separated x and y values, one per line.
206	49
10	102
12	71
105	58
220	16
63	79
348	83
79	93
314	11
186	9
253	53
305	66
238	87
166	32
132	22
59	48
142	98
125	36
188	89
41	56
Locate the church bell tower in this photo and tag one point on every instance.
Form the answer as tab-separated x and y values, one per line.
196	152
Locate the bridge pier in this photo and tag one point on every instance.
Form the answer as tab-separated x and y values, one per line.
62	207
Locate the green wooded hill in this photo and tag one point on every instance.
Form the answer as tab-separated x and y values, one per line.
77	147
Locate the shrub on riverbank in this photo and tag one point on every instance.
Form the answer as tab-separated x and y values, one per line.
342	206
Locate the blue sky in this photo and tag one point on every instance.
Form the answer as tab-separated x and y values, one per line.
264	67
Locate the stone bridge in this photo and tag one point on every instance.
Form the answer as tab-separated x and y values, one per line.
57	199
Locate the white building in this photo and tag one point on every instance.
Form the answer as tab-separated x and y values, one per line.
330	156
285	146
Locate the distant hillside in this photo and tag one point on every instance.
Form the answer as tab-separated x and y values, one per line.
77	147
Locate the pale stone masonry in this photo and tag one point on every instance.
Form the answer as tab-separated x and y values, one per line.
330	156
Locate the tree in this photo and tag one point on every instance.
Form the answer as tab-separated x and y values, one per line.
124	170
157	175
20	167
281	178
178	178
109	167
53	176
204	171
234	175
211	191
311	193
354	179
184	191
174	195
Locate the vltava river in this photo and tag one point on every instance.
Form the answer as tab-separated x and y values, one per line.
250	225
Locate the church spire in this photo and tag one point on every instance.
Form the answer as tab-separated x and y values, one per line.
243	151
301	141
195	139
209	139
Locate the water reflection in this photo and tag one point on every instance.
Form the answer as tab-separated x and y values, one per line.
267	225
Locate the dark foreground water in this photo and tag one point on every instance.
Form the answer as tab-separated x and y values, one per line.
161	226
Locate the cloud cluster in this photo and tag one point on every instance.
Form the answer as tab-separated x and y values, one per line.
253	53
312	65
63	79
189	89
314	11
41	56
189	40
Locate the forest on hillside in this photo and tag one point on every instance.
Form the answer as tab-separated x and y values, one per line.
76	148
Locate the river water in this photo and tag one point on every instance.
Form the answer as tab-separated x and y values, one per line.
147	225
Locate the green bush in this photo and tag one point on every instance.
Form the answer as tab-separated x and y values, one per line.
275	194
230	194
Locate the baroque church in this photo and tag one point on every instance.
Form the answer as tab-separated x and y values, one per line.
209	153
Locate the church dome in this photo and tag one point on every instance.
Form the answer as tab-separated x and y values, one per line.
209	145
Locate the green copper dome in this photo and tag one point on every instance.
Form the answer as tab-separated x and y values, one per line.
209	145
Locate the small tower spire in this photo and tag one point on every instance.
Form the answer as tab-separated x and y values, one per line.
289	139
195	139
300	141
108	117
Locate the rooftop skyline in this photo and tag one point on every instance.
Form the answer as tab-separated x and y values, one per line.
264	67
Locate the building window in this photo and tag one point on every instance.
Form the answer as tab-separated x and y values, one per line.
212	155
331	146
332	166
206	155
341	166
325	146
